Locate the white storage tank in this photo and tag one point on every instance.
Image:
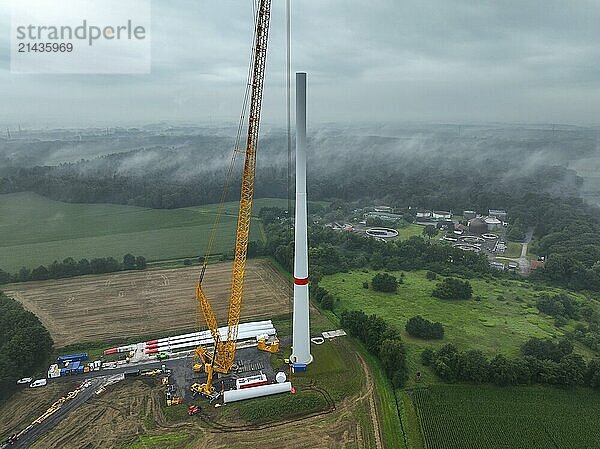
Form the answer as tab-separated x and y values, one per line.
280	377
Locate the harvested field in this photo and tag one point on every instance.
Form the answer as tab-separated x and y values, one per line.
128	304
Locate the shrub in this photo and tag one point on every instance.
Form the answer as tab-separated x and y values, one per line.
452	288
559	306
593	373
427	356
321	296
473	367
327	302
393	358
430	275
419	327
547	349
384	282
505	371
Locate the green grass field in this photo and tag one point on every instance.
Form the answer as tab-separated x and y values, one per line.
513	250
481	417
408	231
37	231
503	318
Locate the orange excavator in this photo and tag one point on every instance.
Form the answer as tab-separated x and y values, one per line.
221	358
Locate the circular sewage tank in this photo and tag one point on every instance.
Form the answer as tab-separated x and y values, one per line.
385	233
467	247
489	236
471	239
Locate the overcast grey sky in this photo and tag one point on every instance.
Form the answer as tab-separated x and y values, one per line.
376	60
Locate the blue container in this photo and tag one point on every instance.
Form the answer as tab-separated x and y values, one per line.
299	367
73	358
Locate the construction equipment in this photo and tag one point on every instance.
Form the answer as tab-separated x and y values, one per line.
200	389
272	347
222	357
174	401
162	356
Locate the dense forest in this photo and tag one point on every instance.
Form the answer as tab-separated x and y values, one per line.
25	344
432	168
524	171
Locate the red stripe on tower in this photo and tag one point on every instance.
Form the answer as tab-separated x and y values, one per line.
300	281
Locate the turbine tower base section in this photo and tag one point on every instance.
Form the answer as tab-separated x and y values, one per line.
301	331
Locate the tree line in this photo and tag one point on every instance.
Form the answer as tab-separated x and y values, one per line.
69	267
381	340
25	344
541	362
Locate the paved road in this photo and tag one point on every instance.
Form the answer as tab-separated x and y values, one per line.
37	430
523	261
96	379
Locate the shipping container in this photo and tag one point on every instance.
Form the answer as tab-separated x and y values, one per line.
72	358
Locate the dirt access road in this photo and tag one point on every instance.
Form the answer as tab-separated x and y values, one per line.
134	303
134	407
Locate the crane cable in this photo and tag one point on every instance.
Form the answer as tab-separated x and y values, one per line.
288	86
235	152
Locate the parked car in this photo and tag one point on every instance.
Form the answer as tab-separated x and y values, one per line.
38	383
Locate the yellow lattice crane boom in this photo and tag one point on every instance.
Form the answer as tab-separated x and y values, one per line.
222	358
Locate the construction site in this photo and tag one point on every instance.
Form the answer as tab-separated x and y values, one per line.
230	352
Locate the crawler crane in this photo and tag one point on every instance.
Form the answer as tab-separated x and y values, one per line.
221	359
